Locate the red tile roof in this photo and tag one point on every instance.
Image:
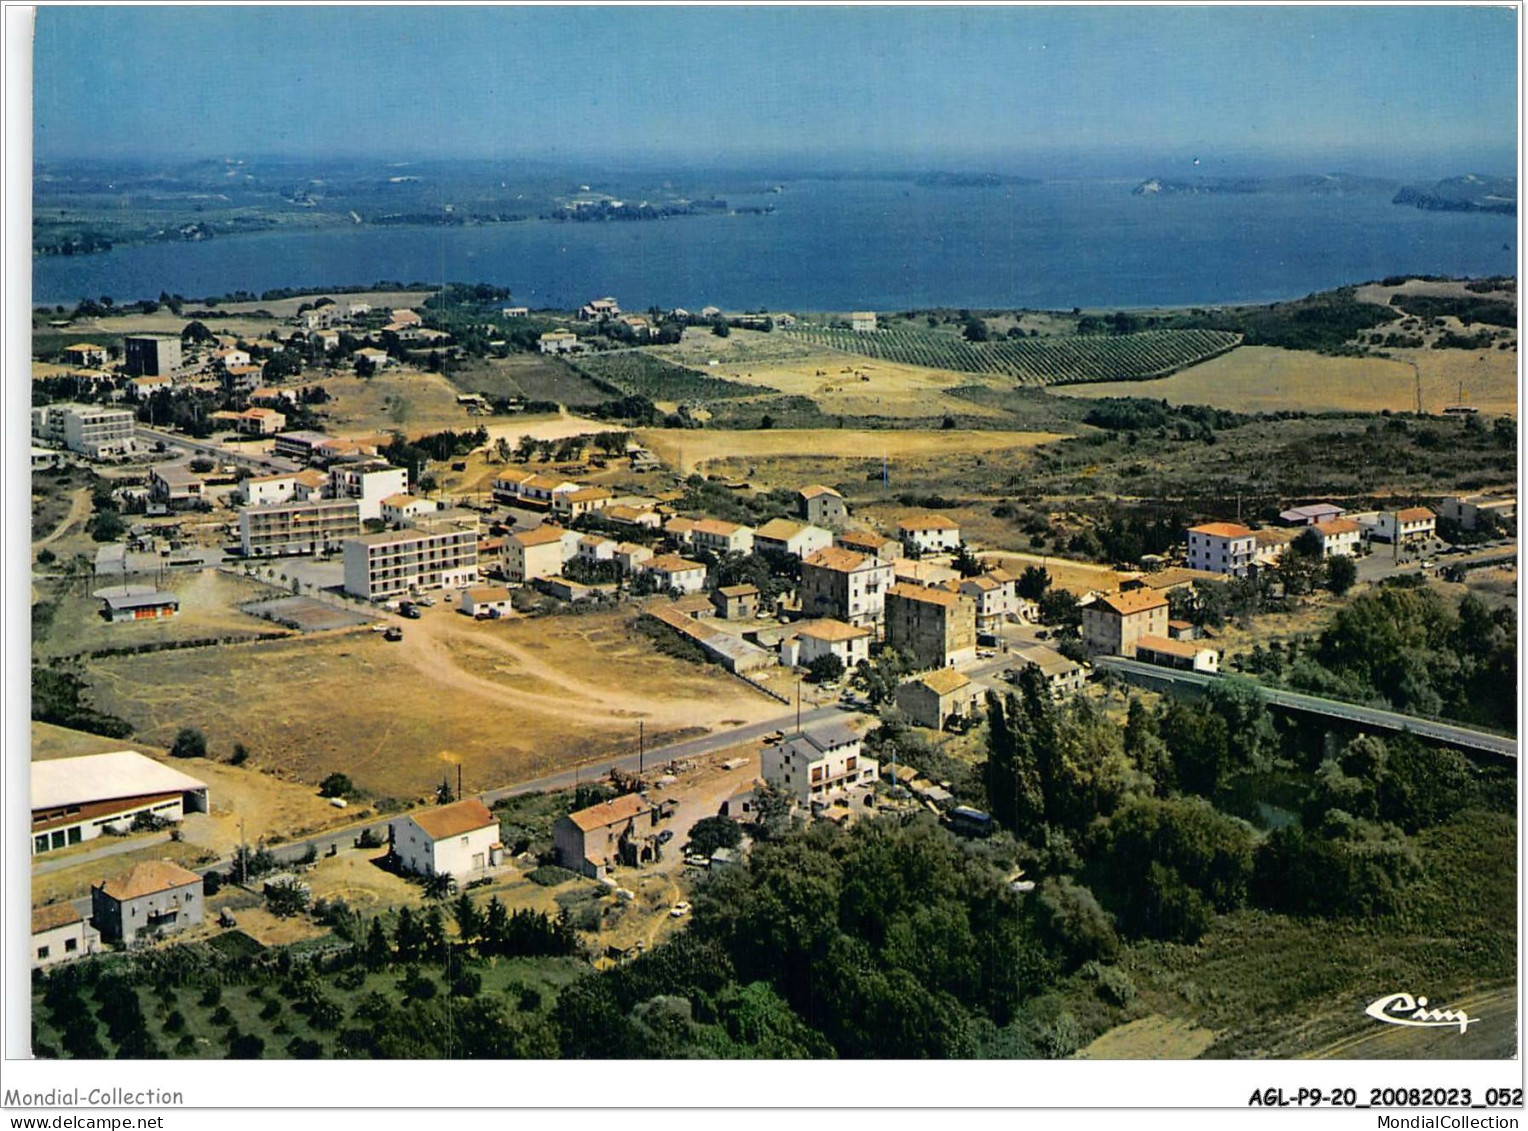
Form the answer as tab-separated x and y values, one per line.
455	819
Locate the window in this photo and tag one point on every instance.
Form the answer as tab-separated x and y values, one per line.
70	946
40	844
74	835
42	953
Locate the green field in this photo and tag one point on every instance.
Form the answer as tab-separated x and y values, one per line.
640	374
1036	361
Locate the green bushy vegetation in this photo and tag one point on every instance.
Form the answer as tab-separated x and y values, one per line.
642	374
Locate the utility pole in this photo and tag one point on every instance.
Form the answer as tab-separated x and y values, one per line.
641	746
243	853
798	706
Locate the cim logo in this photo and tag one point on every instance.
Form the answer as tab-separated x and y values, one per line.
1403	1009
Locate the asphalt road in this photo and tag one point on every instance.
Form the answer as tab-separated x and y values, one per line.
1465	737
218	451
343	838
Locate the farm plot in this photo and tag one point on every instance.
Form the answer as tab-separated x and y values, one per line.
1036	361
640	374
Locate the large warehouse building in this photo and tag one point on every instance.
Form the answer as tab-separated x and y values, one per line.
76	799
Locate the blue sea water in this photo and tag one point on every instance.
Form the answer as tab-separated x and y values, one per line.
839	245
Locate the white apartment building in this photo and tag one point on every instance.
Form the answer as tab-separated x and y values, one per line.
297	527
90	430
368	484
1221	547
435	553
541	552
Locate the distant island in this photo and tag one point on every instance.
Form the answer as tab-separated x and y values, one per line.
1469	193
1315	184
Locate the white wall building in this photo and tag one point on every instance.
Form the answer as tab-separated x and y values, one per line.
929	534
368	485
818	764
460	840
266	490
90	430
436	553
1221	547
77	799
59	934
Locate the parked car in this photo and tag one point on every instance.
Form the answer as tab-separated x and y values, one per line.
393	633
680	909
410	611
665	836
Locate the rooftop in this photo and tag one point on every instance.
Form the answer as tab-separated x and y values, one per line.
671	563
52	916
817	489
612	812
1338	526
455	819
928	522
943	681
151	599
739	590
489	593
540	536
717	527
1136	601
104	777
1222	530
925	596
779	529
838	559
831	631
1414	514
1185	648
149	878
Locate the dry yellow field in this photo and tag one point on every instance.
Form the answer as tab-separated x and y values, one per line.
410	402
688	450
163	322
857	386
506	700
1266	379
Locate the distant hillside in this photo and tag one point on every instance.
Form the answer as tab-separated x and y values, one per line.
1312	184
1469	193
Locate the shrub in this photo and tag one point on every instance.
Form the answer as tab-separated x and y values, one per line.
189	743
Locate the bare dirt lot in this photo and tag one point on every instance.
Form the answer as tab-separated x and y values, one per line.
1266	379
1150	1038
506	700
689	450
208	600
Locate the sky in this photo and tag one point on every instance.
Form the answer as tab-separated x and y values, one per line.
996	87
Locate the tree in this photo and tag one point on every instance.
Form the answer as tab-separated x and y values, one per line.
189	743
879	678
1341	573
1012	779
965	561
710	833
469	921
975	330
335	785
438	885
1033	583
376	953
824	668
287	897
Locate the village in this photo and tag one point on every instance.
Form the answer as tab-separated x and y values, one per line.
774	647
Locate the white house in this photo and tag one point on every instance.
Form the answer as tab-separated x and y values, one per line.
402	508
670	571
721	537
929	533
460	840
829	637
558	341
996	599
266	490
1411	524
863	321
597	548
1340	537
481	602
1221	547
782	536
60	933
818	764
541	552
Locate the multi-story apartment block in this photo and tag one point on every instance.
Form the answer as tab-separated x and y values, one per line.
1222	547
91	430
315	526
934	626
436	552
845	585
151	355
